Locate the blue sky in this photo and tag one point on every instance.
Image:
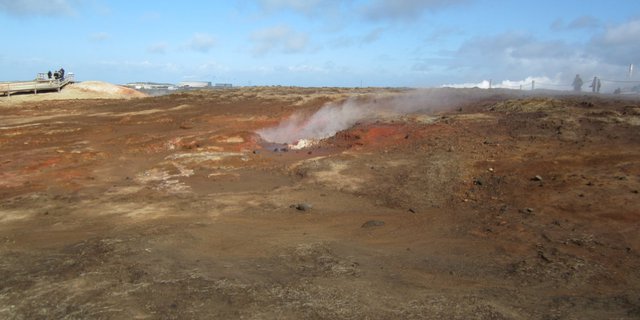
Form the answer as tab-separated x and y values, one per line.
322	42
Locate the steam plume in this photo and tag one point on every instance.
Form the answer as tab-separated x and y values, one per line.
333	117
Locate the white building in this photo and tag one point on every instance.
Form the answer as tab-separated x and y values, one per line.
194	84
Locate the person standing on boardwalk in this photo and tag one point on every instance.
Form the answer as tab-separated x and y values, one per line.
577	83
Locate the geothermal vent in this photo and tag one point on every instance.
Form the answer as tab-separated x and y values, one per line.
299	131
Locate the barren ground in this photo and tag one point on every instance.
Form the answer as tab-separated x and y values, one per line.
173	208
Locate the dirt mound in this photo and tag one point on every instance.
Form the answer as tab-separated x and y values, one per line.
104	90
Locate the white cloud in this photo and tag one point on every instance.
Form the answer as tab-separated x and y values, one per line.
516	55
281	38
552	64
201	42
307	7
582	22
622	34
403	10
37	7
618	44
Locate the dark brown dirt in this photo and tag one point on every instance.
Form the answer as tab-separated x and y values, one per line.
507	207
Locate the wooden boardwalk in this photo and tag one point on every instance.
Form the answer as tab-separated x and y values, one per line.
41	84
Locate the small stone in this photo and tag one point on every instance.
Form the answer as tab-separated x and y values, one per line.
536	178
373	223
302	206
542	256
451	149
412	210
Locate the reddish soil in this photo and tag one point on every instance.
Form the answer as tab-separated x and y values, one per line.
506	207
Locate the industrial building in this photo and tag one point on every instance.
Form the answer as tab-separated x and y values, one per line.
194	84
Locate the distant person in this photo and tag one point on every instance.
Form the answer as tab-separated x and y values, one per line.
598	85
593	85
61	73
577	83
49	74
56	75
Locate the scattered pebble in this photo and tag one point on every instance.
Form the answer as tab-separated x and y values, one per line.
536	178
302	206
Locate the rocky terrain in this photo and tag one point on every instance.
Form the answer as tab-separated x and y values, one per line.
425	204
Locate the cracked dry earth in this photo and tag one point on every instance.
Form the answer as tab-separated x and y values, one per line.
504	207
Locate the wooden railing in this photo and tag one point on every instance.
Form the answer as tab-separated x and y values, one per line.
42	83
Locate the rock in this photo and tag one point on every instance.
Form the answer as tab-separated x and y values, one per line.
302	206
526	211
477	182
412	210
536	178
451	149
542	256
373	223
